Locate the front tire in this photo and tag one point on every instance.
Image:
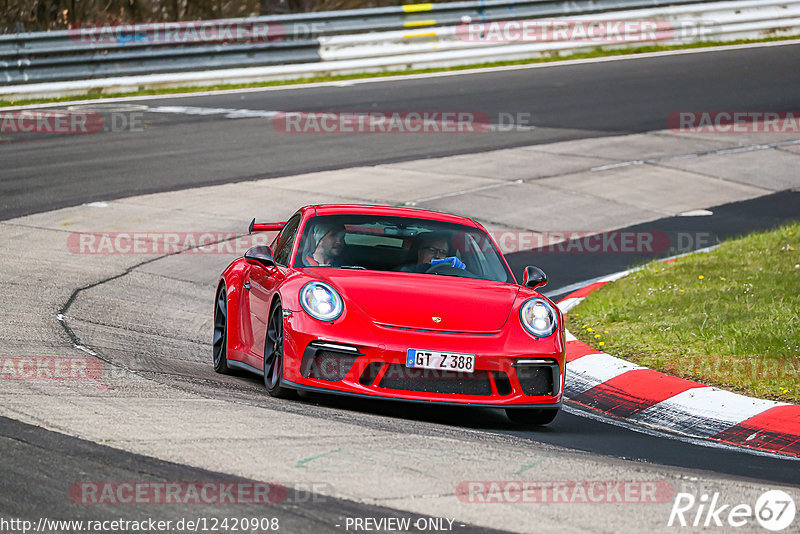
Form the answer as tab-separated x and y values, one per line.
273	356
532	416
220	340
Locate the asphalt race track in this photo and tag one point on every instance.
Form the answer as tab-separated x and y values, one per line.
56	458
569	102
181	149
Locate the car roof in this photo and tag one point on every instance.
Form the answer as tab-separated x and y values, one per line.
396	211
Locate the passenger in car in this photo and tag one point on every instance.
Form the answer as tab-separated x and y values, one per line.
429	249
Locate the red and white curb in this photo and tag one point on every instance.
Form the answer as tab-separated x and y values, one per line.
636	394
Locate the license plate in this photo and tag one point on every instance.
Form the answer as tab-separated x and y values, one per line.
444	361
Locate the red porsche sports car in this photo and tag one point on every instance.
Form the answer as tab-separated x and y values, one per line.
390	302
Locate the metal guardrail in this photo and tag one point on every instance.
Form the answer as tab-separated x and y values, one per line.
310	25
286	46
146	48
718	21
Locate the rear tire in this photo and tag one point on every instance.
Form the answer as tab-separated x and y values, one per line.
532	416
273	356
220	340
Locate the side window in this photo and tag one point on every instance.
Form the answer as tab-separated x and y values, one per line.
284	245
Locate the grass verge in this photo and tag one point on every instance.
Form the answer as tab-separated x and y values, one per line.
599	52
727	318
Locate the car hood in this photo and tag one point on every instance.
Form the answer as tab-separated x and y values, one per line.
410	300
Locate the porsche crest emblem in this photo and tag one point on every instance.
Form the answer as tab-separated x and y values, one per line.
436	320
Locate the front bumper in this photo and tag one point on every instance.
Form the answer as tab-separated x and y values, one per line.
358	357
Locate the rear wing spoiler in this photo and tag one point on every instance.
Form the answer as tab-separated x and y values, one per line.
265	227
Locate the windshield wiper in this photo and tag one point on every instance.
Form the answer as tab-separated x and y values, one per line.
353	267
462	274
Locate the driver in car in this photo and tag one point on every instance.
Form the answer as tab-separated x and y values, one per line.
431	249
329	247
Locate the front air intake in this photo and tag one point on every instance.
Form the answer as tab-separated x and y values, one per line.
538	377
370	373
502	383
328	361
434	381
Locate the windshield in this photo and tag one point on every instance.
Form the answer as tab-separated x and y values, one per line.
379	243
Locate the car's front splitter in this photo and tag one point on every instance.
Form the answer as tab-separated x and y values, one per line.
372	396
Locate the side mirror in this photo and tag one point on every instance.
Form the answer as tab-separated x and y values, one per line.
533	277
261	255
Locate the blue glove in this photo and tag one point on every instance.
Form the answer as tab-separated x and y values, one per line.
452	260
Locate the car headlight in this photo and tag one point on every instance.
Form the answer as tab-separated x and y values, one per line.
321	301
538	317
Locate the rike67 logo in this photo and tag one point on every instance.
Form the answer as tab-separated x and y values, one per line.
774	510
